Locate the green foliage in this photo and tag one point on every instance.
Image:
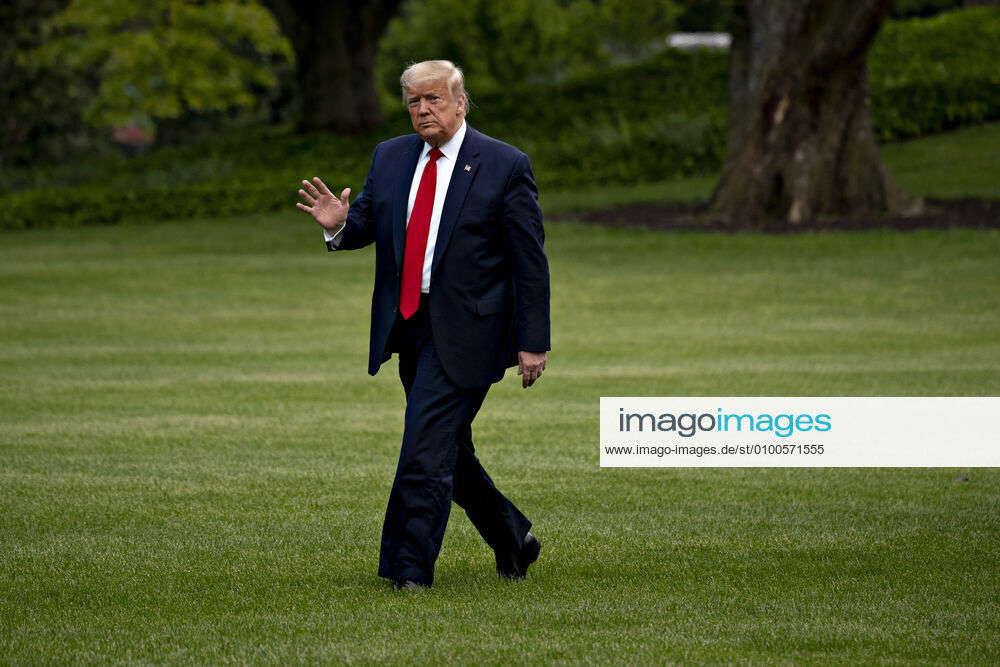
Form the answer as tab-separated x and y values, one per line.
640	123
902	9
40	104
165	58
936	73
496	44
504	44
704	15
636	27
97	206
235	174
661	118
628	124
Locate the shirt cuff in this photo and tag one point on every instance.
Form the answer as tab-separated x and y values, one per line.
333	240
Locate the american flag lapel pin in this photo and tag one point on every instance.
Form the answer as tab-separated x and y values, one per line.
468	168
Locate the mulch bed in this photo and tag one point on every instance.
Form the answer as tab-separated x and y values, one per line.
940	214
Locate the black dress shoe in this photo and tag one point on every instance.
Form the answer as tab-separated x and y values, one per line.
408	585
514	565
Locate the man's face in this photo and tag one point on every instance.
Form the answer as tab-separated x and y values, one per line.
436	114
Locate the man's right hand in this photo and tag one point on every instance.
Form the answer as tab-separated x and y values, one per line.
329	211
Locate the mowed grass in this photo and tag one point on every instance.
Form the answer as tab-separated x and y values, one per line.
194	464
950	165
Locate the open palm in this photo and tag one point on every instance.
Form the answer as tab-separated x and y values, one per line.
329	211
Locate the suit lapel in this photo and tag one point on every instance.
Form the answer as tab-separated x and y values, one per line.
462	176
404	179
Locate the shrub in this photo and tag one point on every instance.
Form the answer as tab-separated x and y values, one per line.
936	73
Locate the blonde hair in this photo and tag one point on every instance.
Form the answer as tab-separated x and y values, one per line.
436	70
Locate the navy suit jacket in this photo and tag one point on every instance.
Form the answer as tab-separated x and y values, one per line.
489	290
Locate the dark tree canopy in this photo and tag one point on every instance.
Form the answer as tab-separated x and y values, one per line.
40	109
800	142
335	44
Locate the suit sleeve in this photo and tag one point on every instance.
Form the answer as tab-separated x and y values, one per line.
525	244
359	229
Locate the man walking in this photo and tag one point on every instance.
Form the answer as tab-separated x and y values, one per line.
461	293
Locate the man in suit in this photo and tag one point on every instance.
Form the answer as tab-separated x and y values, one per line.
461	293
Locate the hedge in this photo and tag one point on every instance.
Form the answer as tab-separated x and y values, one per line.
935	74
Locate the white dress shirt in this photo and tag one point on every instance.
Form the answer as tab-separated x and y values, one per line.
445	167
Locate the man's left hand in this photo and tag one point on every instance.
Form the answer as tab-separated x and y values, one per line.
530	366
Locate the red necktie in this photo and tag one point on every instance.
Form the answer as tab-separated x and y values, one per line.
416	238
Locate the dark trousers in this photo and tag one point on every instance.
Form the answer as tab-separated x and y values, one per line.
437	464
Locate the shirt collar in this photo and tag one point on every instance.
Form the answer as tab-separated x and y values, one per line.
451	147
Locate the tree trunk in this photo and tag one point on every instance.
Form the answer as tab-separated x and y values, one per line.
335	43
800	144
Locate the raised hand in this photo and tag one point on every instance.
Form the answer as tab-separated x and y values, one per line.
329	211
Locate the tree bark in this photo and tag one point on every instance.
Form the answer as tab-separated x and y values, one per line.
335	43
800	144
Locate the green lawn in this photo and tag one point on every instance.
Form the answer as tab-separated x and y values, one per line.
962	163
194	464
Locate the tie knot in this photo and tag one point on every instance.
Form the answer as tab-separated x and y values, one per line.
435	154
